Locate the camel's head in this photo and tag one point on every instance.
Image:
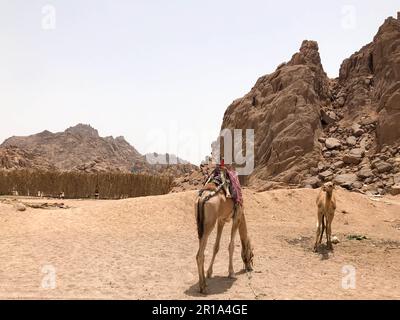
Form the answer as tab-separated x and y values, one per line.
247	255
328	187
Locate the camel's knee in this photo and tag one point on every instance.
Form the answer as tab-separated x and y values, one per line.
199	257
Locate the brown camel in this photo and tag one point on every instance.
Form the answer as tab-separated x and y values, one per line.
326	203
213	207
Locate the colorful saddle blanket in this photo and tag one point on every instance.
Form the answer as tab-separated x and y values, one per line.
231	180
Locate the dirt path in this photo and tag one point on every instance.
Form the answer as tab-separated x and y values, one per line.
145	248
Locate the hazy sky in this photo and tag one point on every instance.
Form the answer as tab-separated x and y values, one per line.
160	73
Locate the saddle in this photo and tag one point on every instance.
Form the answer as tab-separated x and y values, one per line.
226	180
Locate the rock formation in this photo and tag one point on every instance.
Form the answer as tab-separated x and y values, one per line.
284	109
310	129
15	158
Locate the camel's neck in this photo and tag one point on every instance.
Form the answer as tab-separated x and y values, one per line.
328	196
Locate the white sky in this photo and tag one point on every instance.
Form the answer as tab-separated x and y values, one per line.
160	73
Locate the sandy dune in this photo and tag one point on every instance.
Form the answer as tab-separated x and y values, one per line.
144	248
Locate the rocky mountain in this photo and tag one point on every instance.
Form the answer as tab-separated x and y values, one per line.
80	148
283	108
310	129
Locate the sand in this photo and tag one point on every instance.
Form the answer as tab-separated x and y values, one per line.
144	248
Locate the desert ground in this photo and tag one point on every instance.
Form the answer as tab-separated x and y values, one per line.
145	248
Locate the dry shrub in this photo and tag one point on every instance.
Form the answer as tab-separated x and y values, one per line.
82	185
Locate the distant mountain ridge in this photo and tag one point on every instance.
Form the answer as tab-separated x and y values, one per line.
80	148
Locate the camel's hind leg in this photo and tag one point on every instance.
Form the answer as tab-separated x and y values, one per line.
210	218
216	247
200	262
235	225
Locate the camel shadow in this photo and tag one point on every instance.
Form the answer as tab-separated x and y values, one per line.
215	285
324	251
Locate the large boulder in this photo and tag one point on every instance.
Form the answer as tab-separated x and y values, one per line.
351	141
328	117
395	190
312	182
365	173
346	180
332	143
382	166
355	156
357	130
326	175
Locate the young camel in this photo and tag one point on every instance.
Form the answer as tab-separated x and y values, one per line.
213	207
326	203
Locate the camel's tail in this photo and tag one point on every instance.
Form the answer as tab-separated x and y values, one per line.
200	205
200	218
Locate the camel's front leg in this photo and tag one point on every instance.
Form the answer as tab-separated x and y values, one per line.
235	226
323	228
200	262
216	247
319	231
329	232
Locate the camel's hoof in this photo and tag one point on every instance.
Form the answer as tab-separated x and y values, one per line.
232	275
209	274
204	290
315	249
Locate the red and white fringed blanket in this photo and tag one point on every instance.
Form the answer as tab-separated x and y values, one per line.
236	186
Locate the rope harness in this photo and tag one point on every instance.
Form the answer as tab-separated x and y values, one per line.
249	276
213	194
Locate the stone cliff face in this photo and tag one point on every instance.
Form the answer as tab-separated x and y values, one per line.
283	108
372	76
310	129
